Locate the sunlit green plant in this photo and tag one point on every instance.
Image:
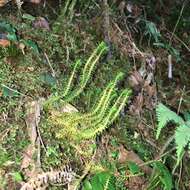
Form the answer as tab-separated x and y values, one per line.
161	177
182	132
77	126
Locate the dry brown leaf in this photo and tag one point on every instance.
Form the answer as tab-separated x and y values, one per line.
41	23
151	90
4	43
3	2
126	156
136	183
135	80
136	11
68	108
137	105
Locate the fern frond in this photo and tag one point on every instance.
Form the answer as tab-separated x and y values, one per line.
70	121
164	116
182	139
62	122
121	101
107	183
104	101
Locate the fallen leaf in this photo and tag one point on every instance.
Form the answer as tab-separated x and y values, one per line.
126	156
137	105
150	90
3	2
68	108
41	23
135	80
135	183
4	43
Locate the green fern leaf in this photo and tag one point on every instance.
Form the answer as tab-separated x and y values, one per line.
164	175
165	115
187	116
182	138
103	181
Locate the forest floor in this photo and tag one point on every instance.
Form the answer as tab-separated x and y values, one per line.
39	46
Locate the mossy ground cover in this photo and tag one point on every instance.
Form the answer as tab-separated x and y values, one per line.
29	75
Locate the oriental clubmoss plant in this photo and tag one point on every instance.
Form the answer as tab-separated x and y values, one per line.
69	8
82	126
67	12
69	93
76	126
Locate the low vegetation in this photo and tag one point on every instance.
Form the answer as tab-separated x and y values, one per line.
94	95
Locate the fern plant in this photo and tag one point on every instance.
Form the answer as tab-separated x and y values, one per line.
161	178
100	181
182	132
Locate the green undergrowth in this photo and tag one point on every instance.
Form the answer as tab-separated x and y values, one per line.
97	95
28	76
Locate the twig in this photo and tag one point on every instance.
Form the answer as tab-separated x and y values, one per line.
106	26
38	153
158	158
180	173
182	42
3	85
180	101
52	70
179	17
